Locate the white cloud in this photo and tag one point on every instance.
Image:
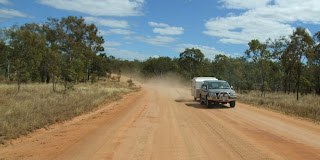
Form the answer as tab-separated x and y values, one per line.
154	24
109	44
99	7
158	40
5	2
262	19
11	13
246	29
165	29
209	52
169	30
115	31
287	11
125	54
107	22
244	4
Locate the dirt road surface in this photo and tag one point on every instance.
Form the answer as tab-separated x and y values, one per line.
163	122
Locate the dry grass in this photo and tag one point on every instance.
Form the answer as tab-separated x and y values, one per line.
36	106
308	106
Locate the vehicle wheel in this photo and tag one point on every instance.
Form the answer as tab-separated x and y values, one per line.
232	104
208	103
201	100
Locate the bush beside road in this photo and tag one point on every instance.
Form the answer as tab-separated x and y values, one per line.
37	106
308	106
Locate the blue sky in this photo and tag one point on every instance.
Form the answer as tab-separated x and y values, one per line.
139	29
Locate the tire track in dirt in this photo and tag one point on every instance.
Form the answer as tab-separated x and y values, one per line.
162	122
112	136
273	141
138	142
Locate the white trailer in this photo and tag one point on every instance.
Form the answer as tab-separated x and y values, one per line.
196	83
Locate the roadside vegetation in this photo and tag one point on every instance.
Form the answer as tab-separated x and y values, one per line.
69	50
37	106
68	54
308	106
52	72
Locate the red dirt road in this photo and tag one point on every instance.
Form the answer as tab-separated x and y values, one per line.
162	122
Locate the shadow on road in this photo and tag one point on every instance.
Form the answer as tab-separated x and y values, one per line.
196	104
199	106
184	100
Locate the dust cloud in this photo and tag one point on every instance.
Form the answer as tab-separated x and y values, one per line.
170	84
166	80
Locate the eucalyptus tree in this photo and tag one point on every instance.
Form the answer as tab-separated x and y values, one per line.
190	62
100	65
316	63
280	53
235	70
26	47
5	52
93	44
80	43
220	65
301	45
4	61
260	54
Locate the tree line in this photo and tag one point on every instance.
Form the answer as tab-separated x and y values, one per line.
63	50
288	64
69	51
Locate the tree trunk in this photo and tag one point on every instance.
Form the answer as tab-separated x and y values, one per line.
48	78
53	89
298	84
285	84
318	86
19	84
298	80
53	84
65	84
289	88
87	70
262	87
42	78
8	69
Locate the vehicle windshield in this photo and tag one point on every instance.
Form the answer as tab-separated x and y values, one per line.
218	85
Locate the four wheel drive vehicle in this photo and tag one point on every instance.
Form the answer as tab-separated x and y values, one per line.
216	92
196	84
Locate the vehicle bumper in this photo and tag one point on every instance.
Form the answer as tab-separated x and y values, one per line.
222	99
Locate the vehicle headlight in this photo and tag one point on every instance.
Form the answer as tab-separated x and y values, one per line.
232	93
